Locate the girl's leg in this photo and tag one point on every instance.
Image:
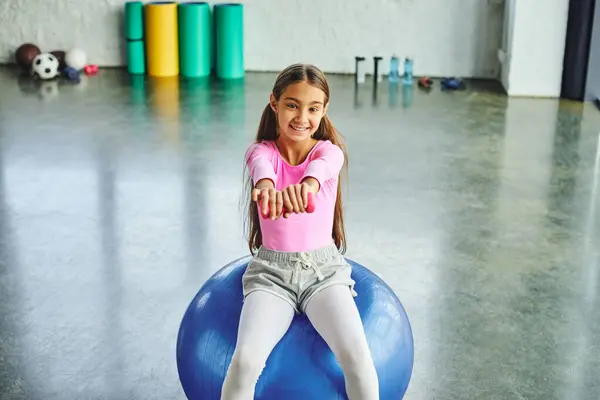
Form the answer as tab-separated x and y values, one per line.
334	315
264	320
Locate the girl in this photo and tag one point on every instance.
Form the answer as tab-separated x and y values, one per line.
298	264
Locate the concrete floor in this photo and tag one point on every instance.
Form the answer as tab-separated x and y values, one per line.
118	198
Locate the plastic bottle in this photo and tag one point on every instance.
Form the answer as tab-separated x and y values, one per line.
394	74
408	72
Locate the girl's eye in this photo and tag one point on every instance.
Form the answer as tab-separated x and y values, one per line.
291	105
314	109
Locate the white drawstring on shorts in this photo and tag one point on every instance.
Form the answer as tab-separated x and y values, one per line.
305	263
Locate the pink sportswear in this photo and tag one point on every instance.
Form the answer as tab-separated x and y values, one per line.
299	232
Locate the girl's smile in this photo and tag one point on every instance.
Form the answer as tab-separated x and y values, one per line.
299	111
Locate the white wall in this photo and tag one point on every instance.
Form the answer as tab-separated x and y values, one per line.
445	37
536	44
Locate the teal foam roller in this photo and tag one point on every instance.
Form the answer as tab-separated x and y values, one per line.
134	20
136	59
194	25
229	40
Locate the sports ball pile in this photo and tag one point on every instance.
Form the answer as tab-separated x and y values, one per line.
53	64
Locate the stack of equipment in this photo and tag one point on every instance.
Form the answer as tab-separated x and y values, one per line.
134	34
166	39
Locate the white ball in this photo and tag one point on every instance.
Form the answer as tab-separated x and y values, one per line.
45	66
75	58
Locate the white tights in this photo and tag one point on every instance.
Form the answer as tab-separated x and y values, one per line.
264	320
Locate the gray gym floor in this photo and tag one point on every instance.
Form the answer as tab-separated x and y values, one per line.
119	198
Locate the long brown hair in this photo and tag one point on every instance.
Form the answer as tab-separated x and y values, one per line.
268	130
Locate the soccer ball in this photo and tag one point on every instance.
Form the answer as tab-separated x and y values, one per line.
45	66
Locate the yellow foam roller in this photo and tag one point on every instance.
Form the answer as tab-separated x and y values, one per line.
162	42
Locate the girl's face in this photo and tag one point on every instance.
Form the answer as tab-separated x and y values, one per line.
299	111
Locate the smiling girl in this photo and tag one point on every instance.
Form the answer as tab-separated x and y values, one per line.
298	266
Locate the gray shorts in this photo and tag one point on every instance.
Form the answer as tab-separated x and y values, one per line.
297	277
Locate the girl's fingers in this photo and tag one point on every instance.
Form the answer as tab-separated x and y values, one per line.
279	203
264	197
272	203
292	193
305	189
300	197
286	201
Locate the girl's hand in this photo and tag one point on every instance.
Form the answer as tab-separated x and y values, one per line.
268	199
295	197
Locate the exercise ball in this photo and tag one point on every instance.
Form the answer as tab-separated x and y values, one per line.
301	366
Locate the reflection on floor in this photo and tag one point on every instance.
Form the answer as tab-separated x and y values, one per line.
120	196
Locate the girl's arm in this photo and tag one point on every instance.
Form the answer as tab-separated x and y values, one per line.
259	161
326	163
260	166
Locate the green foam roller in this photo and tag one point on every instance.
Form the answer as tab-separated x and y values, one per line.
229	40
134	20
136	57
194	24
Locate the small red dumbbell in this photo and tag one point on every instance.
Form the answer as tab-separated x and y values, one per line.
90	69
310	207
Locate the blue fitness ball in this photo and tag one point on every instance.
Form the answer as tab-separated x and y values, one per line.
301	366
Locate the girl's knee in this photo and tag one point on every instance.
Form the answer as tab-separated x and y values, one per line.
242	375
246	364
355	360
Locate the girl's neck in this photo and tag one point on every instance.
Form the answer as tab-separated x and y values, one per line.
294	153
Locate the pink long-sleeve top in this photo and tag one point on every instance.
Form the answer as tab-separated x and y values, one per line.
303	231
